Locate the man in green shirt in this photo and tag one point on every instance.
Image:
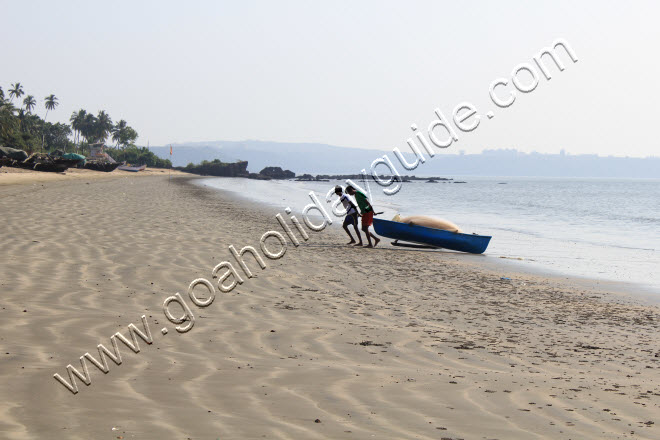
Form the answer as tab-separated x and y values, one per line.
367	212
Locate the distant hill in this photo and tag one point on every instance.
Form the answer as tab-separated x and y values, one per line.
328	159
300	158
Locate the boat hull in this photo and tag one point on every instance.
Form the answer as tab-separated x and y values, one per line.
474	244
132	169
106	167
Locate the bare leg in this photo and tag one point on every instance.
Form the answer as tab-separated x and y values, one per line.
349	234
357	232
366	232
371	235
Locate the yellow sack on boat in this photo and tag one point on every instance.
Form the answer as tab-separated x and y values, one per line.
429	222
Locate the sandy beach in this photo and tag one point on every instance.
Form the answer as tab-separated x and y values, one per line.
329	341
13	176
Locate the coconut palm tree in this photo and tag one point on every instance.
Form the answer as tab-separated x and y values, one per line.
29	102
118	131
2	96
50	104
16	91
74	127
87	127
27	123
7	120
103	126
21	119
77	121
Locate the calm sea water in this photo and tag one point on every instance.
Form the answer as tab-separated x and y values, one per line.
596	228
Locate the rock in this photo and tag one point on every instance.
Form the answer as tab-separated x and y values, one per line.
257	176
277	173
218	168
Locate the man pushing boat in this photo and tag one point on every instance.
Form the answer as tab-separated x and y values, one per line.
351	215
367	212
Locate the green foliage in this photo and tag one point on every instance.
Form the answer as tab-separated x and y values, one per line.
56	137
50	102
20	128
30	103
16	91
123	135
97	128
8	121
138	156
103	126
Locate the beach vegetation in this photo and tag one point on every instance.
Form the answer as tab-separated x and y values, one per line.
29	102
138	156
22	128
16	91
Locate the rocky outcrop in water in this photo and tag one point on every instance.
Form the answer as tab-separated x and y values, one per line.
218	168
277	173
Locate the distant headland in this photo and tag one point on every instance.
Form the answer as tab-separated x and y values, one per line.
217	168
332	160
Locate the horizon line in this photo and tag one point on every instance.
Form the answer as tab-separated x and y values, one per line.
562	152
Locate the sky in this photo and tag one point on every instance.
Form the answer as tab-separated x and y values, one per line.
346	73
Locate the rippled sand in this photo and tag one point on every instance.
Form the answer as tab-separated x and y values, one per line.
327	342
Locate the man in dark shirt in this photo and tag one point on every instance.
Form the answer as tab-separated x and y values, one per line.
367	212
351	215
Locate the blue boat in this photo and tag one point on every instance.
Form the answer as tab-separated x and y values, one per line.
472	243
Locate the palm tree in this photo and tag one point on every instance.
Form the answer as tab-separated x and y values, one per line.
118	131
74	126
87	127
50	104
29	103
7	120
2	96
16	91
77	122
103	126
21	119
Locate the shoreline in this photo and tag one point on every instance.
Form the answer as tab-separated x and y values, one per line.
421	347
507	266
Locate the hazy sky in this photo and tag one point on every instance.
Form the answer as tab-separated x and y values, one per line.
353	74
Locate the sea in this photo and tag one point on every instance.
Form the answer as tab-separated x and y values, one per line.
594	228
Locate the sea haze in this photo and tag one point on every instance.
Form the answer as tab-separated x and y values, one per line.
595	228
329	159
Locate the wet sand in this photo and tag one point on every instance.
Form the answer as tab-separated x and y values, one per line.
327	342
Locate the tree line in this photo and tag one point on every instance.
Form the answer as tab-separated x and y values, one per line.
22	128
